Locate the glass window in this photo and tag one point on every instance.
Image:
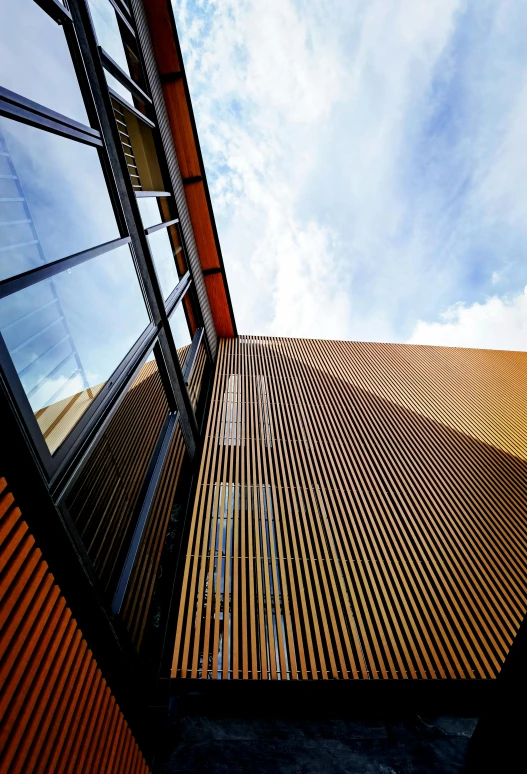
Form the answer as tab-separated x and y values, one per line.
110	37
180	332
35	61
149	209
117	86
164	244
105	516
138	143
57	191
163	255
108	32
66	336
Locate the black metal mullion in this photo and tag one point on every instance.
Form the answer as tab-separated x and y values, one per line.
56	10
122	17
123	5
139	243
159	226
137	113
189	426
39	273
123	77
177	294
36	107
25	116
145	499
88	44
197	313
192	354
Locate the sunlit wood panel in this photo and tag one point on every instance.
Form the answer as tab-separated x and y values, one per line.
57	713
361	512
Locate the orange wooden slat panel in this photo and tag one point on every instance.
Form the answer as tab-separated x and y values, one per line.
359	513
52	689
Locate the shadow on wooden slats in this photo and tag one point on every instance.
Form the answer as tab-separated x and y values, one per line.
360	514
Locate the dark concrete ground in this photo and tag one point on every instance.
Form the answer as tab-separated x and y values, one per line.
290	744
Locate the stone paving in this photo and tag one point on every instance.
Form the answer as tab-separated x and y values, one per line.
285	745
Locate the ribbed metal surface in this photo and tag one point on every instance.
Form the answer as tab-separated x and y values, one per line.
360	513
57	713
103	500
175	175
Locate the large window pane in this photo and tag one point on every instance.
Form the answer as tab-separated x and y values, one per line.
149	209
108	32
163	256
105	515
66	335
154	211
117	86
122	51
57	191
180	332
35	61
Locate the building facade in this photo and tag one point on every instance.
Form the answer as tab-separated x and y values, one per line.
180	505
359	514
112	298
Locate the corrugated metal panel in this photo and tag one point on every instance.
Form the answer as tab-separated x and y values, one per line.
57	713
360	513
175	175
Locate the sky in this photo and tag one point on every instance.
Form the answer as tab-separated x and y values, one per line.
367	164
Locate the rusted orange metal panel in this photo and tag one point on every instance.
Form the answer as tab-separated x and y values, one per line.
56	711
360	514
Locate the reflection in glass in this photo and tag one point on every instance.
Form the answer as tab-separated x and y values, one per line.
108	32
105	516
66	336
196	377
54	203
149	209
117	86
163	256
180	332
35	61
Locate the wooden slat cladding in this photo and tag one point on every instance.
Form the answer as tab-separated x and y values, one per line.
102	501
57	713
361	513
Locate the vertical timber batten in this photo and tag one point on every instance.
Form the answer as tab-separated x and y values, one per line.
359	513
57	712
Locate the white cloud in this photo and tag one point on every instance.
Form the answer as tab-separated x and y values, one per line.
498	323
352	196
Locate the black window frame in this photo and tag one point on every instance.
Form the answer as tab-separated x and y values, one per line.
19	108
62	469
